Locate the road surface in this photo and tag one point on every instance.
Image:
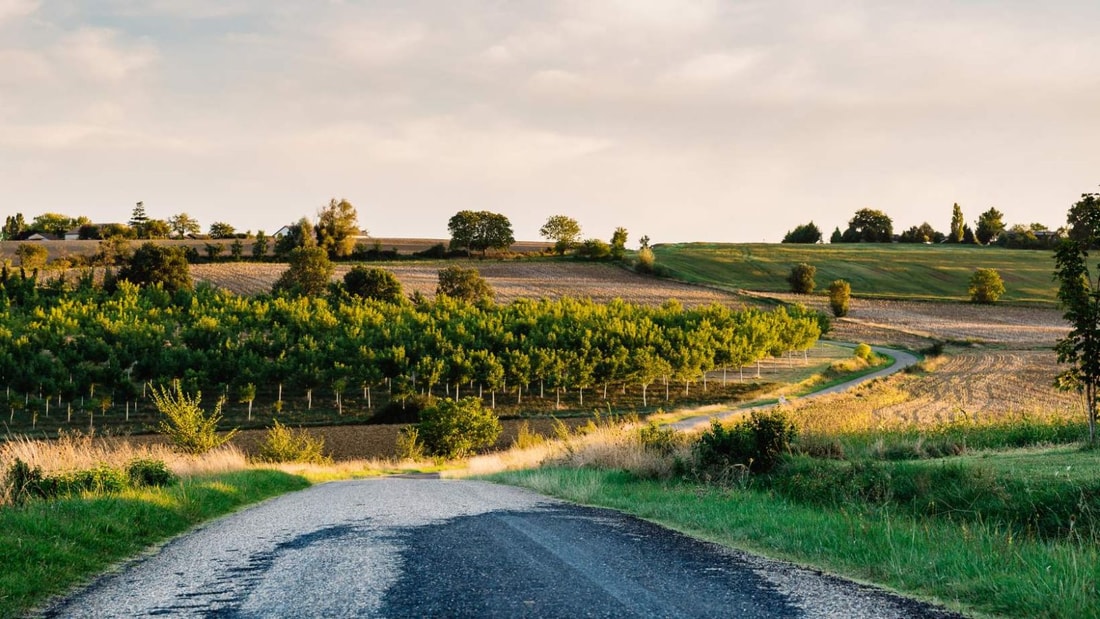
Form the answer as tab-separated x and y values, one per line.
447	548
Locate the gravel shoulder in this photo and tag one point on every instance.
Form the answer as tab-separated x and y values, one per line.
422	547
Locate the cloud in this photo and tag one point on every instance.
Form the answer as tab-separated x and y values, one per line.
12	9
98	55
373	43
714	67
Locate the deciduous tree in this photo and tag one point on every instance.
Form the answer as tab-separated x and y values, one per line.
183	224
222	230
373	283
466	284
989	225
337	228
840	296
986	286
801	278
564	231
308	273
957	223
480	231
158	264
869	226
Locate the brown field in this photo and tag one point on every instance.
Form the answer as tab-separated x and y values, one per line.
510	281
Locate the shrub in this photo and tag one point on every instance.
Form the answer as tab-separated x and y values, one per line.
101	479
840	294
801	278
147	472
283	444
466	284
409	446
23	482
658	439
452	429
155	264
756	443
185	424
594	249
863	351
373	283
32	256
646	260
986	286
308	273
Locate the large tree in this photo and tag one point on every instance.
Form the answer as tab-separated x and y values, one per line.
155	264
957	224
183	224
869	226
1079	296
990	224
56	223
564	231
480	231
805	233
222	230
337	228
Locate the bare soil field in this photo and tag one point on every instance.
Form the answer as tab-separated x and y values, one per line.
510	281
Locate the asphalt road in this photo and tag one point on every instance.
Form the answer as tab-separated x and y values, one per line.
442	548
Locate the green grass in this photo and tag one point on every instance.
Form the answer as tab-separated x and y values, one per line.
970	565
47	547
902	271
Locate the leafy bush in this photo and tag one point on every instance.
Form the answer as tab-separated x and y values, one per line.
190	429
409	446
466	284
24	482
646	260
756	442
147	472
594	249
986	286
801	278
659	439
373	283
863	351
283	444
840	294
452	429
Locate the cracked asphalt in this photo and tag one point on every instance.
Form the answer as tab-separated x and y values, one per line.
446	548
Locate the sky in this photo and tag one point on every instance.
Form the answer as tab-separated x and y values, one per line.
682	120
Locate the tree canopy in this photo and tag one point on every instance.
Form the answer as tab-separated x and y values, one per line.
153	264
563	230
989	225
337	228
465	284
373	283
308	273
869	226
480	231
957	223
805	233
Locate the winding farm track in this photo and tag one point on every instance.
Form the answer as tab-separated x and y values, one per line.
445	548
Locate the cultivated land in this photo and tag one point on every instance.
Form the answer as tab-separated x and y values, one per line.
899	271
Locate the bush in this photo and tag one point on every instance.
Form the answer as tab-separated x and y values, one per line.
986	286
594	249
801	278
145	472
373	283
32	256
308	274
190	429
840	294
658	439
646	260
863	351
155	264
283	444
756	443
409	446
26	483
452	429
466	284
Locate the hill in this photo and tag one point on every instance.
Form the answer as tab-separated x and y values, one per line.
893	271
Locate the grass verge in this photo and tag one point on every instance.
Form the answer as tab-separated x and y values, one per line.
967	565
47	547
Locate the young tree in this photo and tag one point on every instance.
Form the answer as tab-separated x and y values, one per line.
183	224
968	236
259	246
337	227
646	260
989	225
308	274
836	237
806	233
840	295
453	429
957	223
32	256
618	243
480	231
801	278
466	284
564	231
373	283
1079	296
158	264
986	286
190	429
14	227
300	234
869	226
156	229
213	250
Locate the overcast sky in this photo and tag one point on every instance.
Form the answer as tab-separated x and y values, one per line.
680	119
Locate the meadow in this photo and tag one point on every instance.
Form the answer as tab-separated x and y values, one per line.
889	271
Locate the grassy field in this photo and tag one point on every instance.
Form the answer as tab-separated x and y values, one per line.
895	271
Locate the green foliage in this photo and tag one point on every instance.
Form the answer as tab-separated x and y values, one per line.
869	226
618	244
923	233
801	278
805	233
308	273
409	446
149	472
373	283
986	286
299	234
836	236
957	224
260	245
25	483
480	231
863	351
756	443
662	440
1079	296
14	227
154	264
213	250
186	425
222	230
465	284
183	224
283	444
564	231
459	429
840	296
989	225
32	256
337	227
594	249
646	260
